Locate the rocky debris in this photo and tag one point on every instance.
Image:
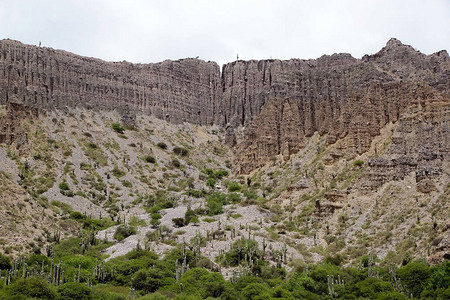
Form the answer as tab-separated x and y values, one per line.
441	246
325	207
230	137
420	144
11	130
302	184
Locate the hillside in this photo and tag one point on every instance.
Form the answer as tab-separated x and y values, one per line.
329	159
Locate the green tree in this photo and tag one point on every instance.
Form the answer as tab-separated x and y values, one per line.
4	262
415	276
371	286
32	287
256	291
74	290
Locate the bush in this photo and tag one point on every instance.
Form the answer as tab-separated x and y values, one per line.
76	215
91	145
149	159
117	128
196	193
124	231
63	186
211	182
358	163
256	291
180	151
156	216
117	172
32	287
234	187
189	215
415	276
221	174
4	262
178	222
155	222
233	198
176	163
162	145
73	290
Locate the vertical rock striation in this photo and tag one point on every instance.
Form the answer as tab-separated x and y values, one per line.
177	91
278	102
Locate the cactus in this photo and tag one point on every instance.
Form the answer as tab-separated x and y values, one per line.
330	283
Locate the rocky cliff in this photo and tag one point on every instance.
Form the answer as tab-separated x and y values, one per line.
278	102
176	91
11	130
342	97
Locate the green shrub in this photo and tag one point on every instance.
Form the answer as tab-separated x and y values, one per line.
162	145
211	182
176	163
155	222
256	291
74	290
127	184
196	193
117	172
233	198
65	208
178	222
91	145
32	287
149	159
180	151
221	174
156	216
124	231
64	186
234	187
415	276
4	262
117	128
358	163
76	215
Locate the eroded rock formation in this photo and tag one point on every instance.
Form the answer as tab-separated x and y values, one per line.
279	103
11	130
343	98
176	91
420	144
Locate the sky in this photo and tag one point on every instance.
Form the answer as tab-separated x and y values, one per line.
142	31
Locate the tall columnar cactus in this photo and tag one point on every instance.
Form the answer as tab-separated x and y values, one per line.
330	283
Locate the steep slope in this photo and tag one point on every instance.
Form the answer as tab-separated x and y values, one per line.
333	156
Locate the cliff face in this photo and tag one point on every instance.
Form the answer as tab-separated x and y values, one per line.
279	102
11	130
420	144
342	97
177	91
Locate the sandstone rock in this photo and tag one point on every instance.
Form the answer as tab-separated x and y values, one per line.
279	102
11	130
420	144
326	207
300	185
177	91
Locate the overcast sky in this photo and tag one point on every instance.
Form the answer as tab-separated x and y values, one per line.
150	31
